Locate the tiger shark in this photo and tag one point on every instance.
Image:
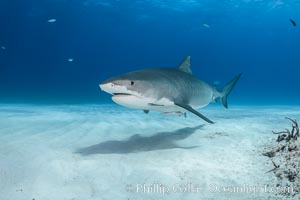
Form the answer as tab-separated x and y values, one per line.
166	90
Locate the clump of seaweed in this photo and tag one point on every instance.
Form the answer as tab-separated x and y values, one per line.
285	157
287	135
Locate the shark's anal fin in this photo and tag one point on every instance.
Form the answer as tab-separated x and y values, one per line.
189	108
146	111
153	104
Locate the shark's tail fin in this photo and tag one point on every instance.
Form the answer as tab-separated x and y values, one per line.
227	89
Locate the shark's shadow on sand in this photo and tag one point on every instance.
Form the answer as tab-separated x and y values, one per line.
138	143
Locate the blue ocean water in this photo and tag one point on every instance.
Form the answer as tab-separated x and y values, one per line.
64	60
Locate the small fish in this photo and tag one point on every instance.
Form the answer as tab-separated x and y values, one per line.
51	20
206	25
293	22
71	59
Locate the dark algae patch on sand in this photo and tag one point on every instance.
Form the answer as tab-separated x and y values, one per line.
284	154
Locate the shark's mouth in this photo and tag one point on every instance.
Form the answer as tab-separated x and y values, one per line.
121	94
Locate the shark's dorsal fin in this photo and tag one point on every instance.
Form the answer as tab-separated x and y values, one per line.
185	65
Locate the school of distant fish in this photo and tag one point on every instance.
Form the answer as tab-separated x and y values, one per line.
53	20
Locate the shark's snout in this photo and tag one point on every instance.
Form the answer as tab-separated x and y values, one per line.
107	87
115	88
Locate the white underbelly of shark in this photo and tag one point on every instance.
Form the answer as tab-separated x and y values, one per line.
141	103
163	105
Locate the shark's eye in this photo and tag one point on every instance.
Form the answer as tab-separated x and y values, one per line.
131	83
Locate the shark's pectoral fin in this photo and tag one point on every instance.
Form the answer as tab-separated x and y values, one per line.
189	108
146	111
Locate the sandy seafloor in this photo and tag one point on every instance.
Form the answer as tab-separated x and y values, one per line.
107	152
